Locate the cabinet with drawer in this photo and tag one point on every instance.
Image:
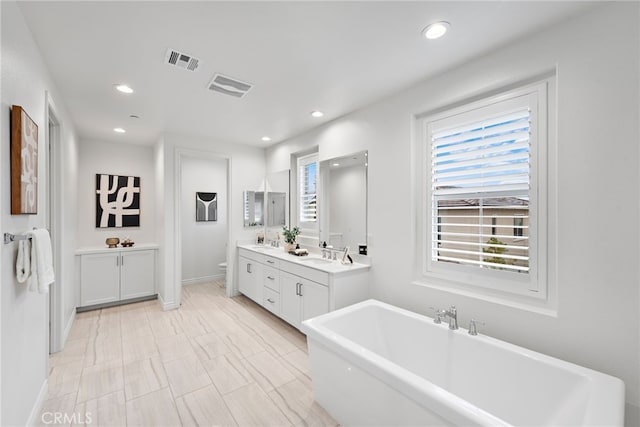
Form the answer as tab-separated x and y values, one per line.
296	292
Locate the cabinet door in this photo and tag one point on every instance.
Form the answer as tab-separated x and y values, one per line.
290	300
250	279
99	278
137	274
315	300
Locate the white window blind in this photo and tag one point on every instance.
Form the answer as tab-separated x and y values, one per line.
480	181
307	184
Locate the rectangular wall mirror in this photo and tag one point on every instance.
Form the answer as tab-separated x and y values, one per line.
254	208
343	202
277	207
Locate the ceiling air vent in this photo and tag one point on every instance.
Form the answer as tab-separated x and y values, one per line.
181	60
229	86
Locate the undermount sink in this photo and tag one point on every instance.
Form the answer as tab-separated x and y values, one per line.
262	247
316	260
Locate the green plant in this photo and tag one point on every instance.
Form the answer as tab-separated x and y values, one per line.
290	234
495	250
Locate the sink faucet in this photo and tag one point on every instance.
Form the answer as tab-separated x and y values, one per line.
452	314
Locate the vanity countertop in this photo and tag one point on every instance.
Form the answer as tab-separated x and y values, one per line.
312	260
103	249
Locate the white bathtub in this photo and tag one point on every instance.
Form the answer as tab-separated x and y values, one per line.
376	364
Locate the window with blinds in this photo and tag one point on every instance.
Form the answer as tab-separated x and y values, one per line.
480	164
307	185
486	171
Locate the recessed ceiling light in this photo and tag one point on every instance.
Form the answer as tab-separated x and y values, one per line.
317	113
119	130
436	30
123	89
266	139
335	164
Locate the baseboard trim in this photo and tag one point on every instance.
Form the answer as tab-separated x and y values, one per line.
37	406
166	306
67	329
204	279
115	303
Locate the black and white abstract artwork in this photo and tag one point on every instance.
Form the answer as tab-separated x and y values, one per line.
206	206
117	201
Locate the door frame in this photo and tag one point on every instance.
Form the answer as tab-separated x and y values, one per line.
53	220
181	153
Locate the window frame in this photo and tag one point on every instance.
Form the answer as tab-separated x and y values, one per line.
310	227
474	280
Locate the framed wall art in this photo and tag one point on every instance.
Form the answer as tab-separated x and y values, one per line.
24	163
117	201
206	206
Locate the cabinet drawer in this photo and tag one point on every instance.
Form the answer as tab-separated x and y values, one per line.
271	301
271	278
254	256
271	261
312	274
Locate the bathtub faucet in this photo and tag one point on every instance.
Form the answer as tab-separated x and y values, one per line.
452	314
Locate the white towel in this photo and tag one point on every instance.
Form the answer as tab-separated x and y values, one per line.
23	262
42	274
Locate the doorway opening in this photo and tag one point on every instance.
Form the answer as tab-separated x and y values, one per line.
203	222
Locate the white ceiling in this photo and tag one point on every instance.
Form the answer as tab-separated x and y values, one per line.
331	56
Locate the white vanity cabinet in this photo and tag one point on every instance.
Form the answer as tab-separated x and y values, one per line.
109	276
271	299
295	291
301	299
250	277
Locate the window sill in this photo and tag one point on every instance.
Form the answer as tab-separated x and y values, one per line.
542	307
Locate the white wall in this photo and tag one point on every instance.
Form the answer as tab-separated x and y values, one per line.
246	171
115	159
204	243
597	219
24	315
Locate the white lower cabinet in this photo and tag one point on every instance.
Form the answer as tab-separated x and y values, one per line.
116	275
297	292
99	278
301	299
137	278
250	280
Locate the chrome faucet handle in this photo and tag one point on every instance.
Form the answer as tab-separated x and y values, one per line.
473	330
439	313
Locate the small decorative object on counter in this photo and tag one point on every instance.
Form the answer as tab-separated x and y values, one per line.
260	238
346	258
362	249
112	242
127	243
290	235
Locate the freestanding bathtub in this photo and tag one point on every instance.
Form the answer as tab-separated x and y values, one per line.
374	364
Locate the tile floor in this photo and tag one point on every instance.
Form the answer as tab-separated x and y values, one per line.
215	361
